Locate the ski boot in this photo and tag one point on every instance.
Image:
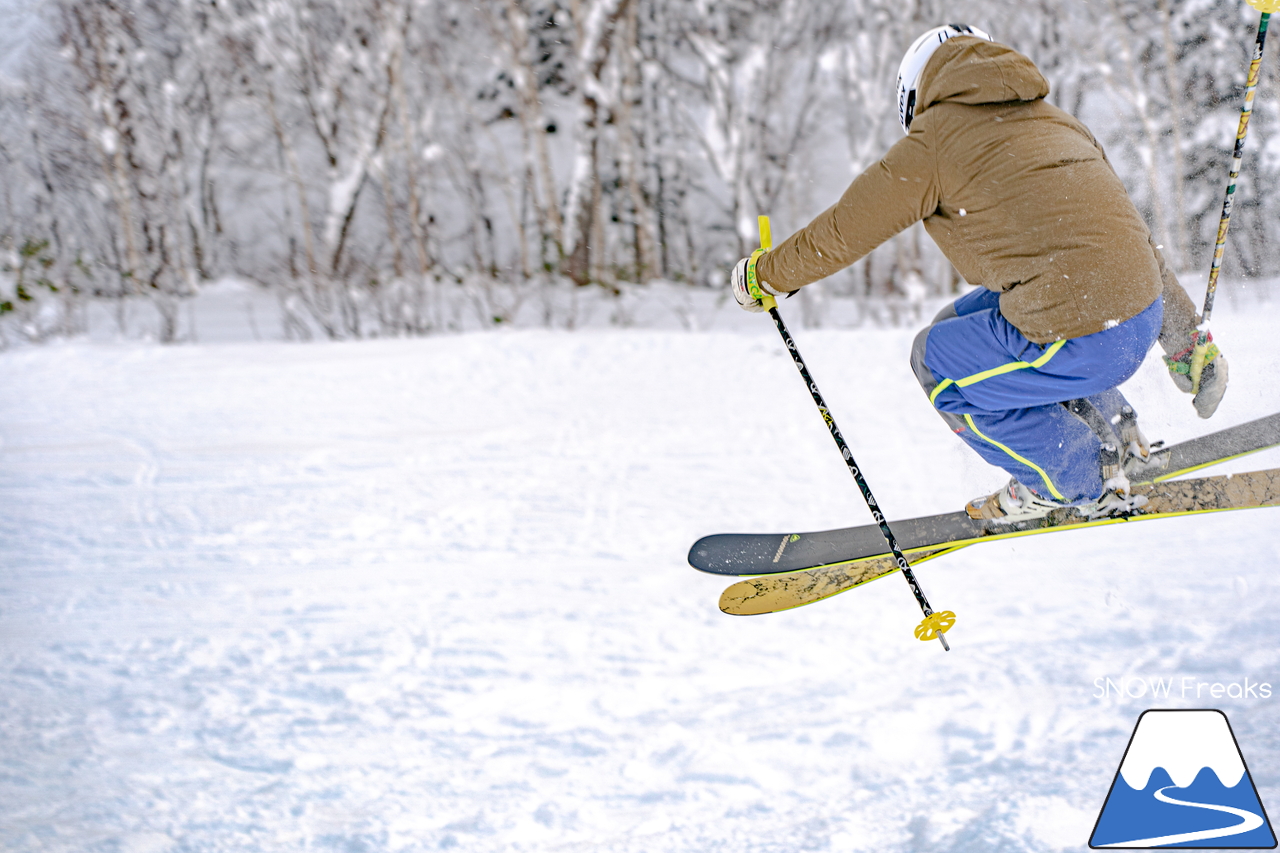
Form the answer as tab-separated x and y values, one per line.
1133	444
1013	503
1135	451
1117	499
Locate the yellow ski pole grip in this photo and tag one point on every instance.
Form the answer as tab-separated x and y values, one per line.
1198	358
753	283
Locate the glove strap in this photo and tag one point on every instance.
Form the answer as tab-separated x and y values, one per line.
1203	351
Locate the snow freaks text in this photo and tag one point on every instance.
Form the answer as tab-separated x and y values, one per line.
1185	687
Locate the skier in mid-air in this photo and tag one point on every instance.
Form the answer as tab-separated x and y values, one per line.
1073	291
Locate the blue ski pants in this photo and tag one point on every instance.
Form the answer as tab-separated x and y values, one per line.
1039	411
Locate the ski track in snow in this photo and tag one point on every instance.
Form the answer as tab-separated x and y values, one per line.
431	594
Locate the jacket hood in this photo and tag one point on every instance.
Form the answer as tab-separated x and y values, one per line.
971	71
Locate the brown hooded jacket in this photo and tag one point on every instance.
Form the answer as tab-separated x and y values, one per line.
1018	195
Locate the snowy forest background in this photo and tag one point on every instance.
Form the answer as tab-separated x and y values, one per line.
399	167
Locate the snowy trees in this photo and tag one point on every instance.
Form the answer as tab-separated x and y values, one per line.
373	161
111	153
1177	72
148	118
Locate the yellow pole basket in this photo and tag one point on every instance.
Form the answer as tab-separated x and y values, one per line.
1266	6
935	625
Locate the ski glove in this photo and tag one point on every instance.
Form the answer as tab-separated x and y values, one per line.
1213	379
747	287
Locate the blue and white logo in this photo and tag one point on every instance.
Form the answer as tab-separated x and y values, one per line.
1183	783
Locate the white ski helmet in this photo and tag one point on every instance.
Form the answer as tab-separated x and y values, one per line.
917	58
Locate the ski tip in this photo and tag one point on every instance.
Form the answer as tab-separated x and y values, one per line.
742	554
701	556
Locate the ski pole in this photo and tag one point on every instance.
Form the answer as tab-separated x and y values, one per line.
1200	352
935	624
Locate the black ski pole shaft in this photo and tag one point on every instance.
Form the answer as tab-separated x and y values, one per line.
845	452
934	624
1228	203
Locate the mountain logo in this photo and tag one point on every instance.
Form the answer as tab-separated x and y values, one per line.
1183	783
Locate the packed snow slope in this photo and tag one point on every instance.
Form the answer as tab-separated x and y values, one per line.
432	594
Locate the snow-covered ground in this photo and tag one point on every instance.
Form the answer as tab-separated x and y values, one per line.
431	594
